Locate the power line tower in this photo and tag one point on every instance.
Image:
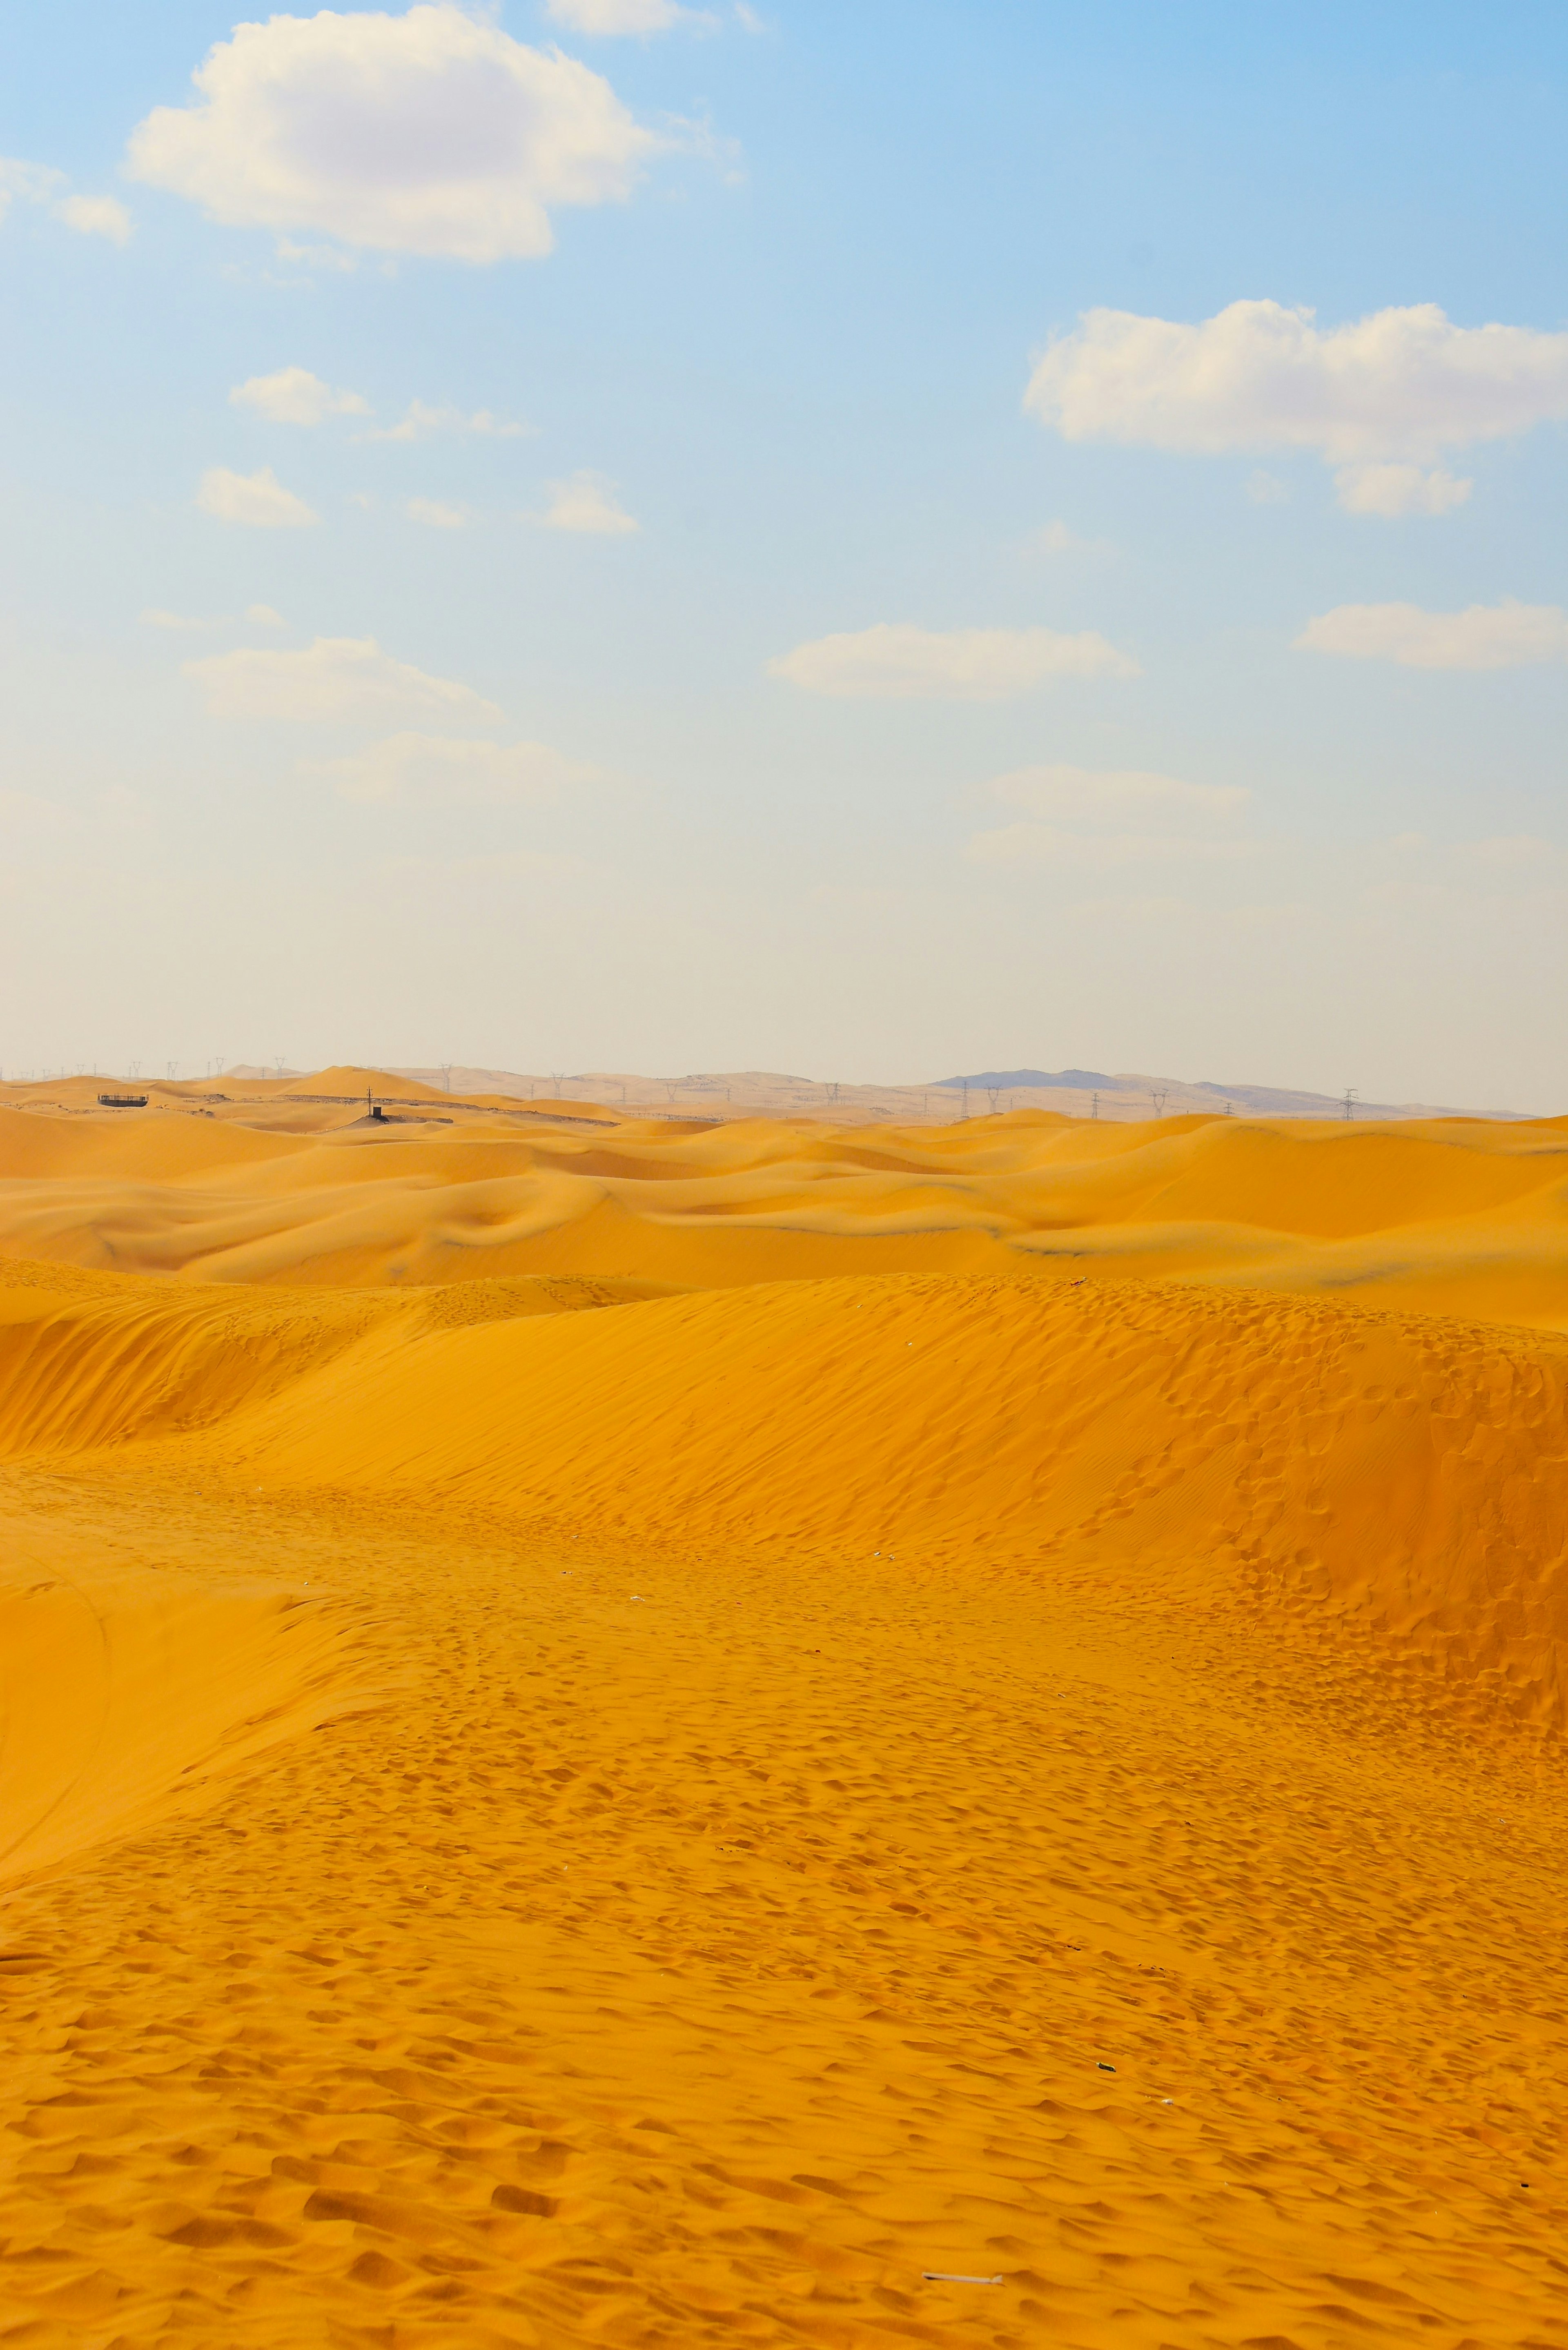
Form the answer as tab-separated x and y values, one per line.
1351	1098
993	1094
1158	1099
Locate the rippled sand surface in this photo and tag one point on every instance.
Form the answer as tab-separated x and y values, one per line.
633	1734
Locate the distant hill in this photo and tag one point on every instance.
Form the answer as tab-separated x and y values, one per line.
1074	1093
1017	1079
1143	1097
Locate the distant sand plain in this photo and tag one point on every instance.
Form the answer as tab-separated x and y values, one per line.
632	1730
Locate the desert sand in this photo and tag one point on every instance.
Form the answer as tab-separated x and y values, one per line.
641	1731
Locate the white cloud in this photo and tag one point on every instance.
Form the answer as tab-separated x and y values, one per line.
334	682
1123	816
429	132
34	183
257	499
154	617
292	395
435	515
262	616
1484	636
1063	795
903	663
1266	489
423	418
586	501
96	216
610	16
40	183
440	770
1395	490
1523	852
1045	844
314	257
1057	538
1398	387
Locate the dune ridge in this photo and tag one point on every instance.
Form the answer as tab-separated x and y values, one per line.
1454	1216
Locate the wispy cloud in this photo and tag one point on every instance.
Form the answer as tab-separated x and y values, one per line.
334	682
1094	819
1058	538
435	770
606	18
421	420
1396	490
895	662
154	617
1483	637
40	183
435	514
586	501
257	500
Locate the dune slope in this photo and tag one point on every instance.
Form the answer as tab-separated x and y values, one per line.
634	1733
1051	1784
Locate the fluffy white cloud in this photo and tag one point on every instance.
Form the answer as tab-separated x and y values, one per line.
1396	490
257	499
262	616
96	216
599	17
1395	388
435	515
1486	635
1062	794
440	770
335	680
900	663
292	395
430	133
423	418
586	501
38	184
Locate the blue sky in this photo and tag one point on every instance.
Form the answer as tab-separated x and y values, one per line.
761	681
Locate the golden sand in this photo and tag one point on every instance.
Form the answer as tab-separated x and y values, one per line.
639	1734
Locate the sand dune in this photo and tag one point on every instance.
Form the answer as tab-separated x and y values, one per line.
841	1705
1453	1216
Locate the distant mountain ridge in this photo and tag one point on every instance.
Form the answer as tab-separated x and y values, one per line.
1122	1098
1019	1078
1175	1095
